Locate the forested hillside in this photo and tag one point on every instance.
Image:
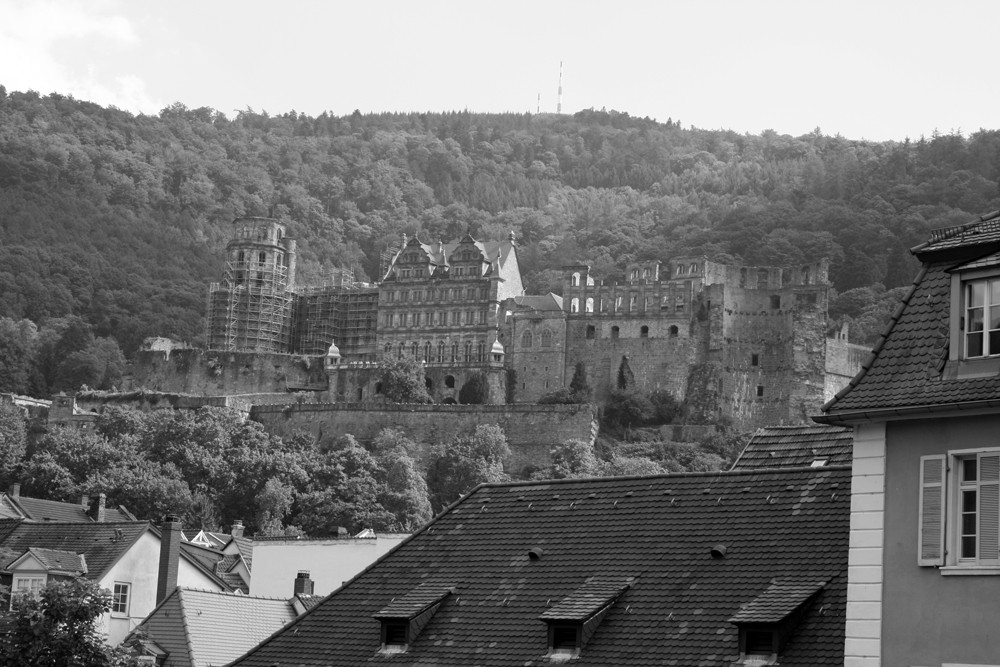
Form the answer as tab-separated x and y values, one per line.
121	220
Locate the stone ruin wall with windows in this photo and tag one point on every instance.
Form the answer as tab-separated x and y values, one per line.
747	344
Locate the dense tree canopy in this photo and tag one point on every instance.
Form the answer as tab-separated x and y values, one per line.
121	220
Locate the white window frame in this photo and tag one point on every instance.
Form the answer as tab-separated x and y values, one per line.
116	598
961	280
939	541
35	583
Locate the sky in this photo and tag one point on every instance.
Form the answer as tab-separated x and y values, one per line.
878	70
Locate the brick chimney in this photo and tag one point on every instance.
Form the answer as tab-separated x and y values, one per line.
96	511
14	491
303	584
170	553
237	529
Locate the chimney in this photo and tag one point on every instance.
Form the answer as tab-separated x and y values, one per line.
96	511
303	584
85	501
15	490
237	529
170	553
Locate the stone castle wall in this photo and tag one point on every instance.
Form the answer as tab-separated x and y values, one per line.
206	373
531	429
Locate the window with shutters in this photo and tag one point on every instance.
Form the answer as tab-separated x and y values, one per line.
960	511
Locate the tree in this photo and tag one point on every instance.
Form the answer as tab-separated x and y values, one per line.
665	406
579	386
403	381
627	409
475	391
574	458
626	379
59	628
13	441
465	462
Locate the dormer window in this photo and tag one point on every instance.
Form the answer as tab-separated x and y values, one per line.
404	617
975	319
573	620
766	623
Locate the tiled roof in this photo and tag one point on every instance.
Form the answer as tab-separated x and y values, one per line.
906	371
56	560
789	446
779	600
548	302
775	524
245	546
53	510
102	544
416	601
595	594
201	628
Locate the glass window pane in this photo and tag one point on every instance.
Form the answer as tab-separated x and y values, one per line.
969	475
975	319
995	291
975	294
969	547
994	343
974	345
995	317
968	524
969	501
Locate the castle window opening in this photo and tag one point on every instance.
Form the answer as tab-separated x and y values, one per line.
632	302
644	331
441	352
241	257
618	303
590	304
760	390
615	331
591	331
775	301
635	274
427	351
574	305
482	317
546	338
399	354
673	331
378	388
526	339
754	360
468	350
261	258
574	280
481	351
449	381
454	351
694	268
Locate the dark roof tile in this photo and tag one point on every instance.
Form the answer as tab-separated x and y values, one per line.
776	524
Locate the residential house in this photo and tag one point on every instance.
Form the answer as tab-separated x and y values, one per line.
331	561
799	445
924	576
201	628
89	510
124	557
714	569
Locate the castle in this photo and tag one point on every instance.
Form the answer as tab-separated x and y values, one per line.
747	345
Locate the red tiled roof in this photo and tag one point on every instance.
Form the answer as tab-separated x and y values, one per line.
906	370
775	524
789	446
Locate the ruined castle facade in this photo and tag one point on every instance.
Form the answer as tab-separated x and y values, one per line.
743	344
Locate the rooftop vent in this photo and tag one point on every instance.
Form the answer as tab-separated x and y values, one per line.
719	551
535	553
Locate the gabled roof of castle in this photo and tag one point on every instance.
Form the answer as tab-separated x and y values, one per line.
547	302
639	549
904	374
802	445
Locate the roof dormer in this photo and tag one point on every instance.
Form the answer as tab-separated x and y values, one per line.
767	621
403	618
573	620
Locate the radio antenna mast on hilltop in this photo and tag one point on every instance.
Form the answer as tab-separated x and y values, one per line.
559	98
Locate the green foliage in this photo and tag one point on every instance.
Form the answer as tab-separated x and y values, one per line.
665	406
122	220
13	441
579	386
403	381
626	379
626	409
475	391
459	466
60	628
573	458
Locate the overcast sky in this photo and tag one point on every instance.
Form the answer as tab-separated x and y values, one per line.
875	70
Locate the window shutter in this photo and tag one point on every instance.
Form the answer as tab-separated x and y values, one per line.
989	509
930	547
